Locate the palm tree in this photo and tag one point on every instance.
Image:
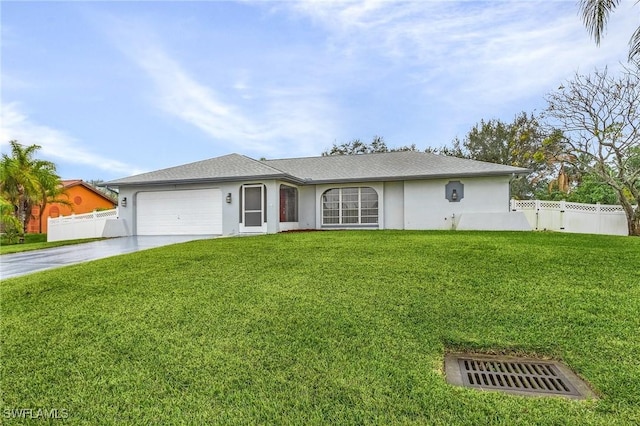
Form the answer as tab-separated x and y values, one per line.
51	191
595	14
26	182
9	224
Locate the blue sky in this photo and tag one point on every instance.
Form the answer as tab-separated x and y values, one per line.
111	89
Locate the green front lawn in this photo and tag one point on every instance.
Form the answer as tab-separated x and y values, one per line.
325	327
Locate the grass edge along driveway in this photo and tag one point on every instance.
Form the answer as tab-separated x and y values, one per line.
324	327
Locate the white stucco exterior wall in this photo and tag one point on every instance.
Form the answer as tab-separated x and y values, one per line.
425	205
230	211
419	204
307	207
273	203
393	205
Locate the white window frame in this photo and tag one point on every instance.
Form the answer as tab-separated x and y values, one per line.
260	228
341	207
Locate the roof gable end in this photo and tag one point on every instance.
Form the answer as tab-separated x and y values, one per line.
224	168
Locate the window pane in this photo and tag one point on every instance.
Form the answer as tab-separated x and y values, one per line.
368	190
350	213
253	219
368	205
332	195
331	206
288	204
351	205
253	198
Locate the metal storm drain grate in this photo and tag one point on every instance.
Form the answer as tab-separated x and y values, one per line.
522	376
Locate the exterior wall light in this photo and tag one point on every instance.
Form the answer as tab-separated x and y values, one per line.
454	191
123	202
228	198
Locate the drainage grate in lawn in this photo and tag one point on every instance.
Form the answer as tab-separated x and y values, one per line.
522	376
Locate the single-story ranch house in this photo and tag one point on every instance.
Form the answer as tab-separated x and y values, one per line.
235	194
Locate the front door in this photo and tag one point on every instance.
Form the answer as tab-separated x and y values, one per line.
253	215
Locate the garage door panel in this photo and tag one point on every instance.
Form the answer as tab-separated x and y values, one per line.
185	212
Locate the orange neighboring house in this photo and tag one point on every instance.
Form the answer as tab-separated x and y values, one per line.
83	198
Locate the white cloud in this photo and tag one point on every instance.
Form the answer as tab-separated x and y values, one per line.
276	122
492	50
56	145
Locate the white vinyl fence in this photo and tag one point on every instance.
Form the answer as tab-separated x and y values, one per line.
573	217
88	225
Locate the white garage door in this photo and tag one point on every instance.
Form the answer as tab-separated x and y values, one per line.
189	212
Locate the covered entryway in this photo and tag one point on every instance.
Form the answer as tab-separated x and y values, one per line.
185	212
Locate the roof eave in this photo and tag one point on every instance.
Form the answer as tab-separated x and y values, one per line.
310	181
284	177
417	177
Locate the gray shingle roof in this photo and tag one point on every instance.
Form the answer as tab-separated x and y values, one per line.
387	166
226	168
331	169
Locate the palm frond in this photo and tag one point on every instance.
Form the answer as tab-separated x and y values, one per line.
595	14
634	47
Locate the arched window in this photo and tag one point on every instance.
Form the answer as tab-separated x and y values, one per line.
350	206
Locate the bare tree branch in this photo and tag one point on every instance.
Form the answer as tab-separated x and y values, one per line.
599	115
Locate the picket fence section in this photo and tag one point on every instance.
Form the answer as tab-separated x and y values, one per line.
579	218
78	226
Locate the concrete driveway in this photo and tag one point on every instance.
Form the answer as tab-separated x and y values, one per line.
15	265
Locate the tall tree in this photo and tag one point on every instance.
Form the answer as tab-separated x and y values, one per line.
105	190
26	182
593	190
356	146
9	224
599	115
51	191
595	14
522	143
